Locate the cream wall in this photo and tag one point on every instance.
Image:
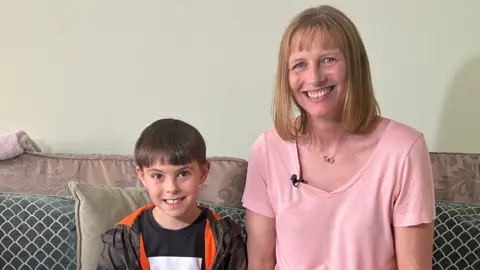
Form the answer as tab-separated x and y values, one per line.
88	76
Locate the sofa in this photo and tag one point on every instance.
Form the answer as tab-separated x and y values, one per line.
54	206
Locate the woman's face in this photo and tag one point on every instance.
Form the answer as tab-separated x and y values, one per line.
317	78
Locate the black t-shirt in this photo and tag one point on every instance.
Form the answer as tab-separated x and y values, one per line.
174	249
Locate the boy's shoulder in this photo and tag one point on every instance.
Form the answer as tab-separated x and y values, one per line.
129	225
216	224
221	225
132	219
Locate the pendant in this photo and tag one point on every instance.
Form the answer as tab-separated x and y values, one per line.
330	160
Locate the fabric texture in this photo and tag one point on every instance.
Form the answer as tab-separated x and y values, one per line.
124	244
37	232
15	143
456	175
47	173
98	208
350	227
457	236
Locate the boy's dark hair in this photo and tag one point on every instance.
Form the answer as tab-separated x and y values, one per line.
169	141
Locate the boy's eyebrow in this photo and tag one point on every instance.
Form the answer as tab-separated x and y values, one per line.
154	170
160	171
184	168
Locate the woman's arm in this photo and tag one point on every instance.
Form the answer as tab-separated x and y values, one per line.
260	241
260	214
414	210
414	247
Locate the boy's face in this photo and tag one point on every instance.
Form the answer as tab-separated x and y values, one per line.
174	189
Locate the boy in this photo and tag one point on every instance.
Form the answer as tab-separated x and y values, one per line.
173	232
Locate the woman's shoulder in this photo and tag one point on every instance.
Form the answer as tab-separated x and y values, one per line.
400	136
269	137
269	145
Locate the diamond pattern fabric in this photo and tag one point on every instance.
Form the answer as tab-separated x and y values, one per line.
457	236
37	232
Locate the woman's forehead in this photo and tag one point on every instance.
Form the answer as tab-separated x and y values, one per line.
306	39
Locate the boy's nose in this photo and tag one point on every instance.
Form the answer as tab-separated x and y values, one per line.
171	187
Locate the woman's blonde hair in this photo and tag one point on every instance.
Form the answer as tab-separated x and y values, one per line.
360	107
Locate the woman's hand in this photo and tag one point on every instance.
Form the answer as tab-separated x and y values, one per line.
261	239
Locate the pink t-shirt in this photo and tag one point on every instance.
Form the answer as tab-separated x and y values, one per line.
350	228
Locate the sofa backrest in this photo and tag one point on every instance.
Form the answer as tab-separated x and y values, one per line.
457	176
41	173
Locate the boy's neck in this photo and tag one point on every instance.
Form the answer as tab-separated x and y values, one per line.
176	223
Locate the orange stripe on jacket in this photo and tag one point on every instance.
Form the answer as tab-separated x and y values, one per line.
210	247
144	264
130	219
217	217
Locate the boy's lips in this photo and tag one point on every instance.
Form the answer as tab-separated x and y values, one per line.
173	201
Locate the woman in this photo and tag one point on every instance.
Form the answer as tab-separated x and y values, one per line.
337	187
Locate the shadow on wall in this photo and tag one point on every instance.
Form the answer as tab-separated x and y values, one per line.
460	122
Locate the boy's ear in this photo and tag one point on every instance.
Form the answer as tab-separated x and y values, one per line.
205	169
140	174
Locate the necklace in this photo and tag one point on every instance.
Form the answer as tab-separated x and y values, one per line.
331	159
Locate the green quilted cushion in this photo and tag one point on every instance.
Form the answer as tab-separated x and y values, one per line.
236	214
37	232
457	236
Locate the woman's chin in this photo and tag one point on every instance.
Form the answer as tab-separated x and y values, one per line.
318	112
325	114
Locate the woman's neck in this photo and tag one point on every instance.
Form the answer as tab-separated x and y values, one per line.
325	135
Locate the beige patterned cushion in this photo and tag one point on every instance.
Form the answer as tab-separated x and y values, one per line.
98	208
41	173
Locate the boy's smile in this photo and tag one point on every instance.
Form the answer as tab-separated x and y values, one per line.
173	201
174	191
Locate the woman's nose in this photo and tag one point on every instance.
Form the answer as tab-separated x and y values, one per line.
316	75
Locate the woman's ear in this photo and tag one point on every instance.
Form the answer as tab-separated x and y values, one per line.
141	175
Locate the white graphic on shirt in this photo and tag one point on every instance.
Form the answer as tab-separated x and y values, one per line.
168	263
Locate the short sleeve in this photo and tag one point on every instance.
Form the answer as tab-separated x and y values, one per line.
255	195
415	196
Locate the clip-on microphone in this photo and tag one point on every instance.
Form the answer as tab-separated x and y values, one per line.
295	180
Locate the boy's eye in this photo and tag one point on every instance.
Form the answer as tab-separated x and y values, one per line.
183	174
156	176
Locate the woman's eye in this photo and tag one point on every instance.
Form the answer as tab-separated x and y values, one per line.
328	60
299	65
